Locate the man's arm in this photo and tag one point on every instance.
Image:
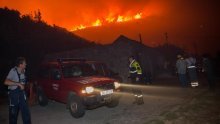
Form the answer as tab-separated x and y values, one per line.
13	83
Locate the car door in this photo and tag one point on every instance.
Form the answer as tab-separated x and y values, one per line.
55	83
44	80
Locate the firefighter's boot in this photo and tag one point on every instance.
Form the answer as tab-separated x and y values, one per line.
140	100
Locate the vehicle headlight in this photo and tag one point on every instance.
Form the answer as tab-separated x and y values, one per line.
117	85
88	90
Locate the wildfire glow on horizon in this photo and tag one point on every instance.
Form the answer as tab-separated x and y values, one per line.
109	19
77	15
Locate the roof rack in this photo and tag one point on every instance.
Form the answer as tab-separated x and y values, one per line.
70	59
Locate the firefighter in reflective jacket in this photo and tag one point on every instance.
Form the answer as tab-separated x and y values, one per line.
135	76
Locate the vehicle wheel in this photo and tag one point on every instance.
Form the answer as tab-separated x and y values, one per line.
113	103
76	107
42	99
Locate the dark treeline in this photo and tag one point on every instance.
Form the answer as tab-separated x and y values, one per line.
24	35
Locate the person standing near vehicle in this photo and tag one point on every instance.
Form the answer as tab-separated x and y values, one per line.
181	70
135	72
208	69
191	66
17	98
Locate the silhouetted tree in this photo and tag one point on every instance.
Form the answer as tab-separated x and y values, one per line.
37	16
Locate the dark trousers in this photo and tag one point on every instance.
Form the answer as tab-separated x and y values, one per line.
17	100
183	80
136	90
211	81
192	74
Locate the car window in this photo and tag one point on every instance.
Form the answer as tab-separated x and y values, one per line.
106	70
77	70
54	73
99	69
72	71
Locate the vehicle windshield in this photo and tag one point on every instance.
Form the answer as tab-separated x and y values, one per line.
77	70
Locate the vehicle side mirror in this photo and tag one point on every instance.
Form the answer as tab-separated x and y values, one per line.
57	77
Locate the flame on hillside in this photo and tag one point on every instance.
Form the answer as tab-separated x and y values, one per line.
109	19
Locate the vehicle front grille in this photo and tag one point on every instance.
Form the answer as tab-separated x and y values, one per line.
105	86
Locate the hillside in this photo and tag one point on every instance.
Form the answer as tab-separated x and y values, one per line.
21	35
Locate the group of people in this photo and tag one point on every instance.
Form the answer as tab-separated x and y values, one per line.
186	67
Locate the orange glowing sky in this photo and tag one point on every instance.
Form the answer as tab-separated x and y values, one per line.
185	21
73	13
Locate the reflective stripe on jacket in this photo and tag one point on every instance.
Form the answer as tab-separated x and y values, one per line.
135	67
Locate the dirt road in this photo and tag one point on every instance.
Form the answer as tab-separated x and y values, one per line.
158	99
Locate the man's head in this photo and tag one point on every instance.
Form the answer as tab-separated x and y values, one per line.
131	58
21	62
179	56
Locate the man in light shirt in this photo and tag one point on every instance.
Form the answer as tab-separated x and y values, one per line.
17	98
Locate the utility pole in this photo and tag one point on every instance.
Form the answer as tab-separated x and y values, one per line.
137	48
166	51
166	38
140	38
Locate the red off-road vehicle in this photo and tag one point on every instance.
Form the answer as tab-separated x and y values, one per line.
74	82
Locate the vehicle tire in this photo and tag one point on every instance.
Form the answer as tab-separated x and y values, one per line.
113	103
41	98
75	106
